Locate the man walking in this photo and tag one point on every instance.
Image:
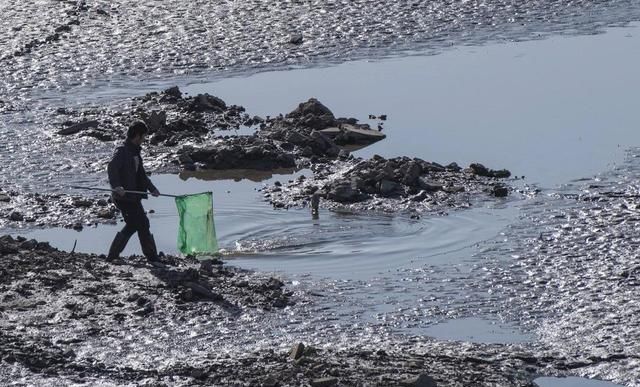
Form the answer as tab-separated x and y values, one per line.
126	173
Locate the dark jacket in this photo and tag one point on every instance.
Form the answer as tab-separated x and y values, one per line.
122	172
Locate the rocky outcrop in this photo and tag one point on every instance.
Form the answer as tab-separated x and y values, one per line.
389	184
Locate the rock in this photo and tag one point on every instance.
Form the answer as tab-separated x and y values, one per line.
206	102
198	374
4	198
413	172
313	114
76	128
344	191
453	167
420	381
16	216
500	191
297	351
500	174
155	120
271	381
106	213
202	291
324	382
85	203
479	169
388	187
29	245
296	39
429	186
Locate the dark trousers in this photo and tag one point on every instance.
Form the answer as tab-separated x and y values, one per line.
134	217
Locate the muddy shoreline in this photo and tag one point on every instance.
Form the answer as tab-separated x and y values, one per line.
55	303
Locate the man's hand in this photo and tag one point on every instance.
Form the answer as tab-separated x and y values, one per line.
155	193
119	191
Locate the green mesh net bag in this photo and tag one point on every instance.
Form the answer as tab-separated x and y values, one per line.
197	233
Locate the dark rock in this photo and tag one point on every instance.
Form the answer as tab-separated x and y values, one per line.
206	102
500	191
16	216
85	203
420	381
479	169
4	198
76	128
324	382
297	351
428	185
388	187
313	114
173	92
202	291
106	213
29	245
155	120
453	167
296	39
271	381
344	191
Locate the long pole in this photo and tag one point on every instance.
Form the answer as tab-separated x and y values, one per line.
126	191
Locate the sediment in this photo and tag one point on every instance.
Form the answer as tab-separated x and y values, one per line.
68	316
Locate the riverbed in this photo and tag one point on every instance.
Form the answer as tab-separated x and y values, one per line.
559	112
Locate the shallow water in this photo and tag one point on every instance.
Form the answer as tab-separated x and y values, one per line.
572	382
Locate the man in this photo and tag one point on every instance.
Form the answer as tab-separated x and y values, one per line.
126	173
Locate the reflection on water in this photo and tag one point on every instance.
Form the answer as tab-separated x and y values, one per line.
235	174
572	382
550	110
476	330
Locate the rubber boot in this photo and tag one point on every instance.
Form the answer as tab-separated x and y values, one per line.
117	246
148	245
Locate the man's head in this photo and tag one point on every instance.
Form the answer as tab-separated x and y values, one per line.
136	132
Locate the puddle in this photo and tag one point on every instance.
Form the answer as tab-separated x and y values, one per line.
572	382
476	330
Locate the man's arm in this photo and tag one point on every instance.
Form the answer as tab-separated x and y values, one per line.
150	187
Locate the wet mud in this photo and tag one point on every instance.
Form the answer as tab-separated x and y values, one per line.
55	305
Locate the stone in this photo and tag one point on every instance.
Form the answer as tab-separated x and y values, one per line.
16	216
202	291
155	120
499	191
85	203
421	380
4	198
324	382
479	169
297	351
388	187
296	39
271	381
106	213
344	191
206	102
428	185
173	92
79	127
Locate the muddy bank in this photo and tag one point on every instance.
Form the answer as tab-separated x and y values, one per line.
56	305
24	209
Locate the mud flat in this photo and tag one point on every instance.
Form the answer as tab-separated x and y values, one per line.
70	318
